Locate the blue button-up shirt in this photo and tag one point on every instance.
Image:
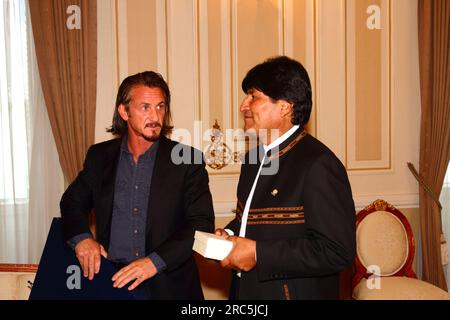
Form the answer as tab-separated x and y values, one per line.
129	216
131	193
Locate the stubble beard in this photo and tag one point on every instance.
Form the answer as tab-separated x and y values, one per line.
154	137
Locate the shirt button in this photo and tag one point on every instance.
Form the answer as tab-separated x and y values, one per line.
136	187
135	231
135	209
137	254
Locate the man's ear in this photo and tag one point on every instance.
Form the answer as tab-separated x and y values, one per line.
123	112
286	108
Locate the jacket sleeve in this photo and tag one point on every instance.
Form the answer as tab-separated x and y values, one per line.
234	225
198	213
329	246
76	202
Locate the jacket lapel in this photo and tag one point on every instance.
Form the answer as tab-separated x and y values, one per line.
160	177
107	187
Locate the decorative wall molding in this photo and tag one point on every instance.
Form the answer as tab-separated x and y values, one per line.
330	75
354	25
107	66
161	36
407	200
122	39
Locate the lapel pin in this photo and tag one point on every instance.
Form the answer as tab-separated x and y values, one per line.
274	192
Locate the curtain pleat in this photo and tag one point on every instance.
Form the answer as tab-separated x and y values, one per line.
67	60
434	56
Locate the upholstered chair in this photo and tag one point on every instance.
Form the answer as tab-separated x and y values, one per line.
385	253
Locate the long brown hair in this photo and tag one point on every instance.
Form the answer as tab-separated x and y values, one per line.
148	79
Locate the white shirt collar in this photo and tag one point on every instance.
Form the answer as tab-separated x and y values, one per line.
281	139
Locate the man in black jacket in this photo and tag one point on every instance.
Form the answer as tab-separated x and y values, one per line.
294	229
147	204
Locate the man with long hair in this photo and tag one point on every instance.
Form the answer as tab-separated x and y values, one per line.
147	207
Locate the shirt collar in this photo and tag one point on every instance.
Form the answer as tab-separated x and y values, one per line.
281	139
147	154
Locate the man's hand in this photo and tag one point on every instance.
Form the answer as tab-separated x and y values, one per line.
242	256
88	252
221	233
141	270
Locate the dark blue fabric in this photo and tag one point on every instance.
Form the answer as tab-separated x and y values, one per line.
56	269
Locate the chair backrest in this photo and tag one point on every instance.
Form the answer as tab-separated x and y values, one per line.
384	243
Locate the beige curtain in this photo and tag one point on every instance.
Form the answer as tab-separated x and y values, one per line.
434	54
67	58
